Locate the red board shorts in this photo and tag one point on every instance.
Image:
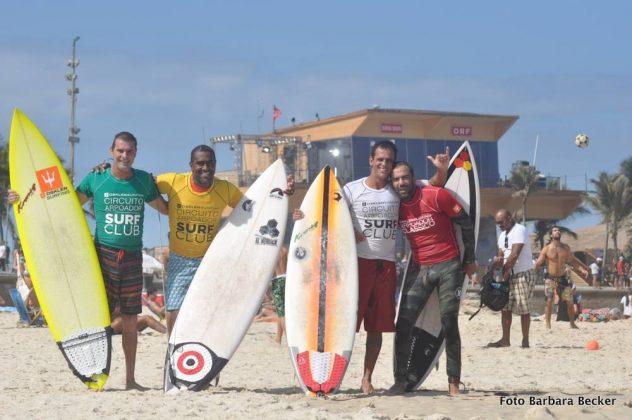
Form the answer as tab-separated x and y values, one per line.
376	300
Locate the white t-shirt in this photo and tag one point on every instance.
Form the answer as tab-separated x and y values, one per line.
517	235
627	309
594	269
374	213
3	251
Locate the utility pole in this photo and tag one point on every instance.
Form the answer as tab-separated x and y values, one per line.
72	91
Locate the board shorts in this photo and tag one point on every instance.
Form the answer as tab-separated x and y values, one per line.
123	277
278	294
520	292
559	284
180	274
376	297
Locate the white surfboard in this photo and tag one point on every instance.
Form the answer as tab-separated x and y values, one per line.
321	289
429	338
229	285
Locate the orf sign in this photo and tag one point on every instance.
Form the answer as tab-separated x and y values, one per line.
462	131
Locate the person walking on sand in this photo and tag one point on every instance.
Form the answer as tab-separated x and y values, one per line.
556	255
514	256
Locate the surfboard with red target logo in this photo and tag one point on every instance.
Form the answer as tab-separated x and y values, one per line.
228	287
427	337
321	290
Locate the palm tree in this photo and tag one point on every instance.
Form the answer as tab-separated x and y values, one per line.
626	168
613	199
522	180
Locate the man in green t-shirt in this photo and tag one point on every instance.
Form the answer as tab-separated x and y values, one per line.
119	194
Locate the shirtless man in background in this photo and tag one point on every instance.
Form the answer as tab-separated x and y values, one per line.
556	255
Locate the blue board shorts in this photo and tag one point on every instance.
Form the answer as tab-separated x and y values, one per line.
180	273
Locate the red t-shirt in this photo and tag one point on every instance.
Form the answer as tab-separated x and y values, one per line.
620	268
426	222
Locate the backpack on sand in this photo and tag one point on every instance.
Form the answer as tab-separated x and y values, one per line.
494	294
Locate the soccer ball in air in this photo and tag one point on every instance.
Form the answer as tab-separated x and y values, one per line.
581	141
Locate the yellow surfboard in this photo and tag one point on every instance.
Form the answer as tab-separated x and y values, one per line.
59	253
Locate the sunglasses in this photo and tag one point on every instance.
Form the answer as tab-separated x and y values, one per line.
506	242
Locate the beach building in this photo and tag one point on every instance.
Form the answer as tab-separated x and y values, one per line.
344	142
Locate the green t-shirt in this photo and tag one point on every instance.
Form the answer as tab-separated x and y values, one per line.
119	207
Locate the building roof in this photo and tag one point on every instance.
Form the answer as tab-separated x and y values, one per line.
408	123
543	204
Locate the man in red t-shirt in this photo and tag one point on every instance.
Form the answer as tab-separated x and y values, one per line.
426	214
620	281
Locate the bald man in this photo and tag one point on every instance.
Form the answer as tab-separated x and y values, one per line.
516	259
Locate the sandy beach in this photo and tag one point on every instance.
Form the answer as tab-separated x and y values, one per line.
258	382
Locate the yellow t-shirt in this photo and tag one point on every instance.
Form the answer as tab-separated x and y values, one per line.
194	217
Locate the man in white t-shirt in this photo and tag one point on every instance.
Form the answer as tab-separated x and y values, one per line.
594	272
515	258
374	206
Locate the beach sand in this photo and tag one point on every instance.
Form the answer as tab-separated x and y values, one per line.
258	382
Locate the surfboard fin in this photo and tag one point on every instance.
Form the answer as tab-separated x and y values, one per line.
97	381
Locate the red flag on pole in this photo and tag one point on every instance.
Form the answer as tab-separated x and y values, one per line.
276	113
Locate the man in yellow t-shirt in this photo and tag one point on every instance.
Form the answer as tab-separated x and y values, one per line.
196	202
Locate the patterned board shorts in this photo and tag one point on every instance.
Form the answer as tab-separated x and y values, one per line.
123	277
520	292
559	284
278	294
180	274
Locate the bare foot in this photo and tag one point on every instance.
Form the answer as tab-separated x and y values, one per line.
133	386
548	325
525	343
367	387
499	343
574	326
453	389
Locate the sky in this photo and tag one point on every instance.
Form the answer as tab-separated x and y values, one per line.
176	73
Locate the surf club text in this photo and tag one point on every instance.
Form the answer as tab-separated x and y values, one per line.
379	219
195	232
122	224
